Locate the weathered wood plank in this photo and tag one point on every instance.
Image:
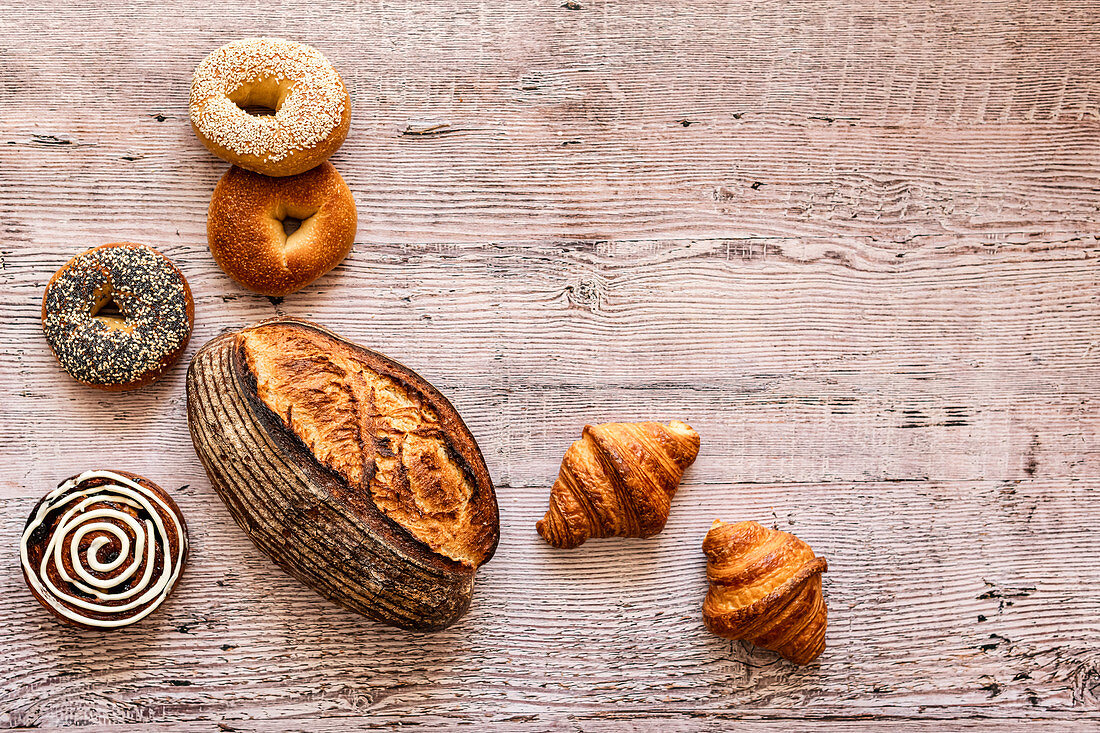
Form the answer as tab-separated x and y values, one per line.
940	597
961	366
769	178
577	129
640	722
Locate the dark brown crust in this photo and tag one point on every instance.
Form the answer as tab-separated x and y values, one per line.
154	488
295	510
295	163
168	361
458	437
248	244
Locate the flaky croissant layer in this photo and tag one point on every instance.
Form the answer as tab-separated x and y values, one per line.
765	587
618	481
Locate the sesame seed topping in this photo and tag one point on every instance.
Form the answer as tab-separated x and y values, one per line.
309	113
151	295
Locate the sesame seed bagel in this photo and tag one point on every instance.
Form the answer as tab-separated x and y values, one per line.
118	316
312	108
247	237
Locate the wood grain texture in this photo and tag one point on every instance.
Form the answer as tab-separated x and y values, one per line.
853	244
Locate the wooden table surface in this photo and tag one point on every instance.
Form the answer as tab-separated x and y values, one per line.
854	243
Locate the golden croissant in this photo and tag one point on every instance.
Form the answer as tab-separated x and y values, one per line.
765	587
618	481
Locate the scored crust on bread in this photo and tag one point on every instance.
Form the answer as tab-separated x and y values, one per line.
351	471
378	430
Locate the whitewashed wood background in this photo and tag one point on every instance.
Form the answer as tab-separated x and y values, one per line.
854	243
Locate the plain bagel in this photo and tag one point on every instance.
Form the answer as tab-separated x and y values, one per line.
312	110
247	236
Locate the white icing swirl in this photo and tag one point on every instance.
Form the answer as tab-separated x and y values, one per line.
91	511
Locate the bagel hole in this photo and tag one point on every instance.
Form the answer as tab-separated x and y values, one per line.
258	110
261	98
107	312
109	309
291	224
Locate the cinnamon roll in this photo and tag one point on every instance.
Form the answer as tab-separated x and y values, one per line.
104	549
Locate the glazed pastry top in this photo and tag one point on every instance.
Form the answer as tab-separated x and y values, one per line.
103	550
